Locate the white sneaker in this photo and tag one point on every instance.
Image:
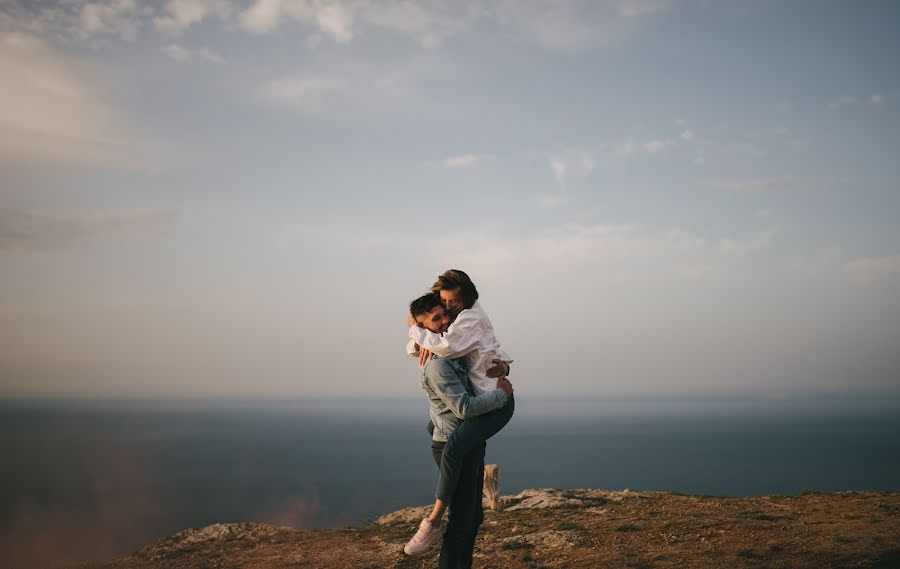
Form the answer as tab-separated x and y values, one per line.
427	536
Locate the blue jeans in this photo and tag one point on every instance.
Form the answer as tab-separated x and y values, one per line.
466	513
469	435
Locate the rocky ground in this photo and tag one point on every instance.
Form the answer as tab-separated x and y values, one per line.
576	528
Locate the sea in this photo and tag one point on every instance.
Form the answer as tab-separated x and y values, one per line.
97	479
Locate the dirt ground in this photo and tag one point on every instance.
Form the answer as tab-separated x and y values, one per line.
574	529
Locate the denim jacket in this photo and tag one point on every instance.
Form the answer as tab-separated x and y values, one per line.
451	397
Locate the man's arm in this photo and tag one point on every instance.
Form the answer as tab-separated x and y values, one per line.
445	381
461	338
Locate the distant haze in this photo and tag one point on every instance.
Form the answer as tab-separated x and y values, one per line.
655	198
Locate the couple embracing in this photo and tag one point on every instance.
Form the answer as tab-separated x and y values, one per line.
463	372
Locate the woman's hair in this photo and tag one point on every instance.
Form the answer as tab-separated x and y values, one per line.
455	279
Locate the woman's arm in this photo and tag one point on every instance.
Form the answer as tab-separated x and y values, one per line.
461	338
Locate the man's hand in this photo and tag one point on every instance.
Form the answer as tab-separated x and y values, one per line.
499	369
424	356
505	385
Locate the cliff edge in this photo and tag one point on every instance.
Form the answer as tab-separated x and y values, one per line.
546	528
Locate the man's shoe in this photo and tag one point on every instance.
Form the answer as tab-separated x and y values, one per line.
427	536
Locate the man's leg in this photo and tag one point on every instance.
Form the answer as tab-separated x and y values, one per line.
466	513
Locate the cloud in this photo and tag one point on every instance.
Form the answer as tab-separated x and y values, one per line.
614	253
576	25
340	91
635	8
740	247
873	268
687	135
52	111
334	19
429	22
182	14
184	55
657	146
573	164
116	18
559	171
36	232
549	201
841	102
781	184
309	93
564	25
468	160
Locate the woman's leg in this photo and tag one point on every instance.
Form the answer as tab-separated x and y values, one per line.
468	435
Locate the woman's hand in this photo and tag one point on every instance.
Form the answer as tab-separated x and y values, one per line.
499	369
424	356
505	385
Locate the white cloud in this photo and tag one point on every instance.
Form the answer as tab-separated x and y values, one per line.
687	135
559	171
305	93
345	89
184	55
574	25
468	160
634	8
740	247
262	17
562	25
428	22
625	150
781	184
615	253
52	111
872	268
118	17
548	201
334	19
182	14
657	146
573	164
35	232
841	102
874	100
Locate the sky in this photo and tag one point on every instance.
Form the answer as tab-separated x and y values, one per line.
655	198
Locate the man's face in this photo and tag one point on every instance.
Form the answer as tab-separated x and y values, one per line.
435	320
451	301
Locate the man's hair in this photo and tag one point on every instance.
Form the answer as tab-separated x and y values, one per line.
455	279
424	304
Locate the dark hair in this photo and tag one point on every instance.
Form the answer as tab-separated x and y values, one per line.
424	303
455	279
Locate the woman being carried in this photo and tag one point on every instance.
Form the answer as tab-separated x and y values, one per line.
470	337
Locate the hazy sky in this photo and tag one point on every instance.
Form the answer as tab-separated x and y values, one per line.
239	198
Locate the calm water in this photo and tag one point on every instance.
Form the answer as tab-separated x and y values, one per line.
89	479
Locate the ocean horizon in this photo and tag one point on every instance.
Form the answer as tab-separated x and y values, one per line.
99	478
